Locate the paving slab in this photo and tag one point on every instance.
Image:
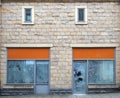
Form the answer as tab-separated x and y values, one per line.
107	95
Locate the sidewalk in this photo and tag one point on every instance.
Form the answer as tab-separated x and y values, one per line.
107	95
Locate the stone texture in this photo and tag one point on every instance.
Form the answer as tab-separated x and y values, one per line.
55	24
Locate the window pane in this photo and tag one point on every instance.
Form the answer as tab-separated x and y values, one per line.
107	72
100	72
79	69
93	71
81	14
29	72
42	71
28	16
20	72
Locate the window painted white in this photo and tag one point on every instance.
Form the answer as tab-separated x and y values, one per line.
27	15
98	71
81	15
22	71
101	72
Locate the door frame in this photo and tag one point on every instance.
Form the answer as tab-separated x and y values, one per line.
73	76
34	85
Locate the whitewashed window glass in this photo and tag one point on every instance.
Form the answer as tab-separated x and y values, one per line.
100	71
42	72
20	71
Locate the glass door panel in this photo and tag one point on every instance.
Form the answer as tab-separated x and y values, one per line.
79	77
42	77
42	72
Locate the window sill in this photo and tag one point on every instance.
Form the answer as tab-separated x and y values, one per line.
81	23
28	23
102	84
19	84
26	83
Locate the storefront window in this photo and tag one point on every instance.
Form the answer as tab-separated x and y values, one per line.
100	71
42	72
22	71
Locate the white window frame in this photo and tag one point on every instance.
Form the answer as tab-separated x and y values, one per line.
23	14
76	15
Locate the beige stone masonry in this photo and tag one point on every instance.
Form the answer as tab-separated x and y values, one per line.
54	27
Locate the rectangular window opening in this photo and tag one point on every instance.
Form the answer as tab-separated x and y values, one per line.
22	71
28	15
28	66
81	15
100	64
100	71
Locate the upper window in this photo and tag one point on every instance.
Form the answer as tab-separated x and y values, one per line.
81	15
28	15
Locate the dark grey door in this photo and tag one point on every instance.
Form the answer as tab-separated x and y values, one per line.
42	77
79	77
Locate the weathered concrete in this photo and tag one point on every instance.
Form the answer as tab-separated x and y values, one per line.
112	95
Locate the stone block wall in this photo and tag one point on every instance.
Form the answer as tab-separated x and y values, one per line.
55	24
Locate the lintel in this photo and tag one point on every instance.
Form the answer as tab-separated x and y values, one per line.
28	45
94	45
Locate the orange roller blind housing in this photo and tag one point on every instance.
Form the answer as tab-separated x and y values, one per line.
93	53
28	53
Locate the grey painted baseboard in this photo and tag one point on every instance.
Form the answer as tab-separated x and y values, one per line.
30	91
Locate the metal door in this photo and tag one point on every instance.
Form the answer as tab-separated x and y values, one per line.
79	77
42	77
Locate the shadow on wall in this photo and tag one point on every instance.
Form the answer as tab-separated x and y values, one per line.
60	1
0	87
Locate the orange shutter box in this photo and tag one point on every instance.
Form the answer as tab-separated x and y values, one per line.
93	53
28	53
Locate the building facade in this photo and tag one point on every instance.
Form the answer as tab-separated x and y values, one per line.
59	46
